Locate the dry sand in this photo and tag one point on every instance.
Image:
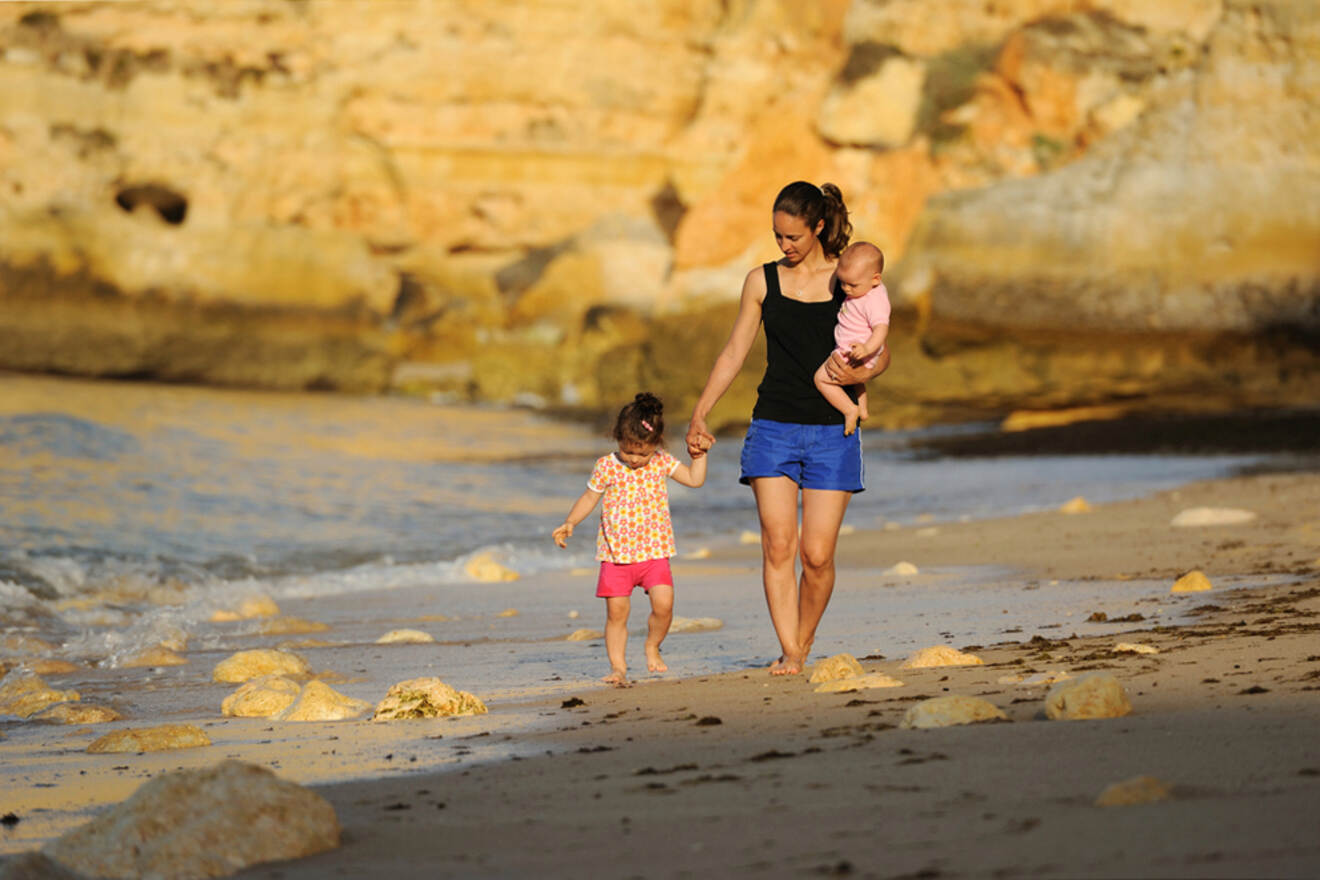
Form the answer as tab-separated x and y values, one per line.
746	775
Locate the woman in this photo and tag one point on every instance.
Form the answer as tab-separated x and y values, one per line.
795	447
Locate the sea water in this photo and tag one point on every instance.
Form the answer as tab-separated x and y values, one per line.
131	512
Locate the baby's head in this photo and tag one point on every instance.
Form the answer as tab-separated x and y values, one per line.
640	429
860	266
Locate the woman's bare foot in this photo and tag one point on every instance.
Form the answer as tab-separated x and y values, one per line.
617	677
653	660
786	666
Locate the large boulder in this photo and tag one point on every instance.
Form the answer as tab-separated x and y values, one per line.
201	823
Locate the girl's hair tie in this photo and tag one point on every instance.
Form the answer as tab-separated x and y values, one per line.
647	426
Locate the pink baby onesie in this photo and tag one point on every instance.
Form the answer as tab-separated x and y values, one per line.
858	316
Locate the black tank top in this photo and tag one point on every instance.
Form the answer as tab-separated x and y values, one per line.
798	337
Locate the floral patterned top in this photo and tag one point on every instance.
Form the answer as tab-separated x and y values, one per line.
634	518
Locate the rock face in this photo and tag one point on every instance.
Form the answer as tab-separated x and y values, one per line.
949	711
1090	695
940	655
262	661
160	738
294	195
201	823
425	698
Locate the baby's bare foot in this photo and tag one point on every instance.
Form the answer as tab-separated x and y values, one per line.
653	660
849	424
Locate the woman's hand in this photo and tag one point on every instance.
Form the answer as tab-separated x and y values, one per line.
843	373
699	438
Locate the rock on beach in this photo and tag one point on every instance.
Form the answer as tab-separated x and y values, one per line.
695	624
201	823
263	697
77	713
584	635
151	739
834	668
940	655
1137	790
320	702
153	656
1212	516
246	665
1090	695
248	608
858	683
485	568
949	711
25	695
1194	581
425	698
405	636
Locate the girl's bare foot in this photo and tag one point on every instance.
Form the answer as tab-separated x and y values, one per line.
849	423
653	661
617	677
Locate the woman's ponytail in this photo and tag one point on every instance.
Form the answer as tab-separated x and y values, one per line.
838	229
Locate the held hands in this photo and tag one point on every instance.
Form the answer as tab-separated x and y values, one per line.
699	439
562	534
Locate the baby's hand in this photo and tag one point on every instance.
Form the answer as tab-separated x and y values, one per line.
562	534
857	353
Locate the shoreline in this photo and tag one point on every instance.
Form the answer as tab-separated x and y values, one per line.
792	782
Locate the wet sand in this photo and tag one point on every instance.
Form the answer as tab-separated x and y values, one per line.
746	775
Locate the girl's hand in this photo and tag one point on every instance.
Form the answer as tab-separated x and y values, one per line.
699	439
562	534
858	353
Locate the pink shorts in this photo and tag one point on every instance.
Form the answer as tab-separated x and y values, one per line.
619	579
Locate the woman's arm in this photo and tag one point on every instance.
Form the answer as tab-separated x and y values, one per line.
842	373
729	361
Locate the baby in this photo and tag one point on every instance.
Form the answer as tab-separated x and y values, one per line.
863	325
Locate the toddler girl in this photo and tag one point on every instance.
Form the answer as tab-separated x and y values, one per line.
636	537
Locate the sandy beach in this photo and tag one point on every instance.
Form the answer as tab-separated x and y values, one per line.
746	775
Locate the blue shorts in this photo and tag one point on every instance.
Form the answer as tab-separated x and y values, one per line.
813	456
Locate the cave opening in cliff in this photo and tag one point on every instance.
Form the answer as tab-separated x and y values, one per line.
168	204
